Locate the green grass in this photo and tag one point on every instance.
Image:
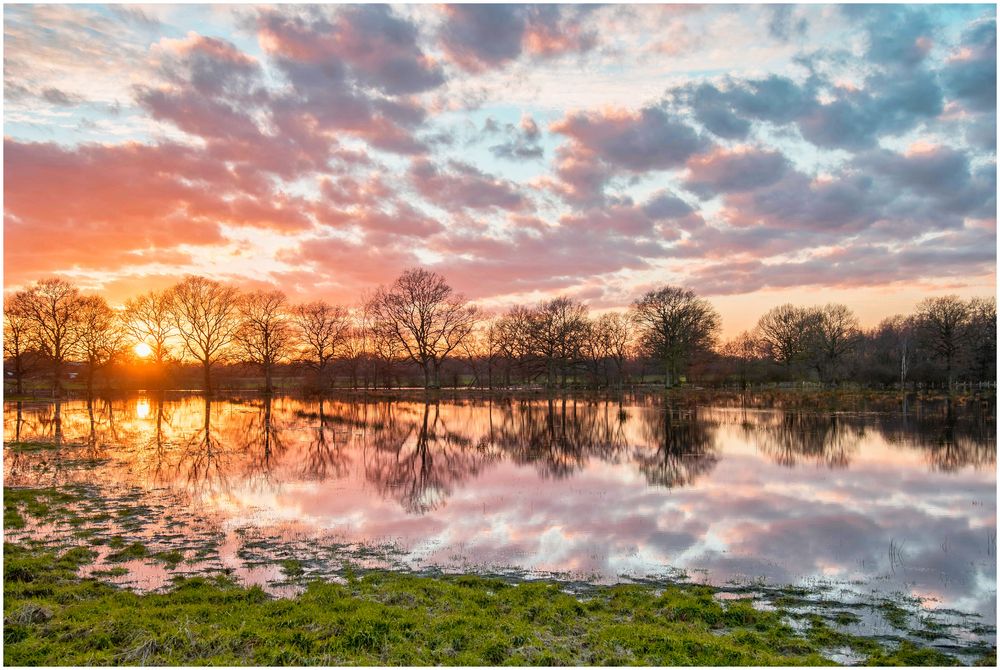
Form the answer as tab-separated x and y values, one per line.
52	617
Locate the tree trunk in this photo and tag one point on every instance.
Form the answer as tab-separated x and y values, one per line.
57	378
207	369
268	387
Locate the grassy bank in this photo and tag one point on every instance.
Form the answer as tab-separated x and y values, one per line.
52	617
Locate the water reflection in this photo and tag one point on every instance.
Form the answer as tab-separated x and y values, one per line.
598	488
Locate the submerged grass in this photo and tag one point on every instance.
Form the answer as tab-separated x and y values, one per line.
52	616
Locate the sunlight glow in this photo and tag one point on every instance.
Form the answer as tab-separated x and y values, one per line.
143	350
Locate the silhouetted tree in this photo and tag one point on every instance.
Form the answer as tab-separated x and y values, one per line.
19	338
264	334
942	325
982	337
53	305
102	337
742	351
557	330
425	317
323	333
833	334
674	325
784	332
205	313
149	319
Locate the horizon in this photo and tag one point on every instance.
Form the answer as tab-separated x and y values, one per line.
758	155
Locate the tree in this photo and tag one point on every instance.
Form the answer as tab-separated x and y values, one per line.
942	326
425	317
324	332
743	350
264	334
557	331
982	337
511	332
102	337
19	338
606	345
53	305
894	346
675	324
784	332
834	332
149	319
205	313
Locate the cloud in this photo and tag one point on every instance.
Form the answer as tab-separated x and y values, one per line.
645	140
128	204
462	186
377	48
897	36
480	37
733	171
520	142
970	75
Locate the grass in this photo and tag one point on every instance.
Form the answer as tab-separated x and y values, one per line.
52	616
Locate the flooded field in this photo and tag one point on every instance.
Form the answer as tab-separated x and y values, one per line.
864	505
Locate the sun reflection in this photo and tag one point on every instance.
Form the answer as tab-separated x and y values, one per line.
143	350
142	408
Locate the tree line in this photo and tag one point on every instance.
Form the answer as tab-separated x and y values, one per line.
419	330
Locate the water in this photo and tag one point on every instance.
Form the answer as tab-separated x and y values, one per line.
862	503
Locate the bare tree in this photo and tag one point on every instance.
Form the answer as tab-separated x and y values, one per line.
19	338
53	306
482	348
150	320
606	345
942	325
424	316
102	337
512	332
784	331
205	313
557	330
616	332
982	337
264	335
894	339
743	350
324	332
834	333
675	324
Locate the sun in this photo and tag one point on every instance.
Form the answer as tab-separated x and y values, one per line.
143	350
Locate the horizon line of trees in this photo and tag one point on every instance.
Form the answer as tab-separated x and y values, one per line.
418	327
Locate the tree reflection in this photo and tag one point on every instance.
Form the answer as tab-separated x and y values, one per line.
260	441
950	440
204	463
419	454
327	453
793	437
559	438
419	462
679	446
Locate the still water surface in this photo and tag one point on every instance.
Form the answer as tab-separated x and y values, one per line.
881	502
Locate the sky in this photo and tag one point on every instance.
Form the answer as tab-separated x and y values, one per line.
755	154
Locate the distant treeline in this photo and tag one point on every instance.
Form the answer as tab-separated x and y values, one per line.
418	331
